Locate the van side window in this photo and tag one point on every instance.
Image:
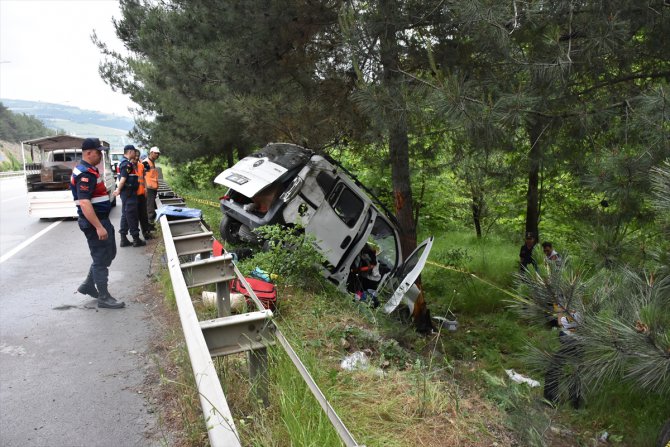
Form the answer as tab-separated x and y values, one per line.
347	205
325	182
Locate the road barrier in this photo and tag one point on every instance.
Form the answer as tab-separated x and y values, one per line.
188	247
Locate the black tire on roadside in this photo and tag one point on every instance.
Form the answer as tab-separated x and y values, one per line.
229	228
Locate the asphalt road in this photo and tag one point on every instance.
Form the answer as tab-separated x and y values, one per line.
70	374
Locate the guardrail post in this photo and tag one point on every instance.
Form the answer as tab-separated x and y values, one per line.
258	372
223	299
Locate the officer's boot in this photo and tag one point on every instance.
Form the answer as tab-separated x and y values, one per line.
147	236
124	241
137	242
88	286
105	300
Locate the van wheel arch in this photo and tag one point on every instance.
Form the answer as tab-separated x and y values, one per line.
229	228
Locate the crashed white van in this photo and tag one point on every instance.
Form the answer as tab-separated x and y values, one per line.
288	184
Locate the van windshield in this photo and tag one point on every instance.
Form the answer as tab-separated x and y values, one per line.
65	155
382	238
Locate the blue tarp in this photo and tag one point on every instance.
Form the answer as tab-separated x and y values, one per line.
180	212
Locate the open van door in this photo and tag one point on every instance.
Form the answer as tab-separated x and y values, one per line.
403	279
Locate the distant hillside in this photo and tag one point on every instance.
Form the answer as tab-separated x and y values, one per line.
18	127
76	121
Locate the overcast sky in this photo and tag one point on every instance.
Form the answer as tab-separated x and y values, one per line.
46	53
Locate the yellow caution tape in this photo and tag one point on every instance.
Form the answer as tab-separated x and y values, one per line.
495	286
203	201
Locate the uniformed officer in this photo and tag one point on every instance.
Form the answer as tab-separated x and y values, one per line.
127	188
93	206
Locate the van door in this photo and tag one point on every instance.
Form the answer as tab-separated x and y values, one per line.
403	279
337	221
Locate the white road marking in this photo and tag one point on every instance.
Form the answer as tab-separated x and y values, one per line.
27	242
12	198
12	350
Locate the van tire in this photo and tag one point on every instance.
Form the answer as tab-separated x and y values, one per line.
229	228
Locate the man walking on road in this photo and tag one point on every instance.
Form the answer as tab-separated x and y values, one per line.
151	180
93	207
127	188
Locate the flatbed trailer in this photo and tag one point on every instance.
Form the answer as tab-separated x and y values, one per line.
48	172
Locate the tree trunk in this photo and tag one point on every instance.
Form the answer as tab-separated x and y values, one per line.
535	155
397	125
477	214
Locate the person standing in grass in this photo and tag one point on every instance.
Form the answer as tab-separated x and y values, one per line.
551	255
565	362
526	253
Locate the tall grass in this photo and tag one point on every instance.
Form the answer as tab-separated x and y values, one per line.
493	259
426	391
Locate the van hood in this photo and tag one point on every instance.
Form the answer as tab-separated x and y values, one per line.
275	162
250	175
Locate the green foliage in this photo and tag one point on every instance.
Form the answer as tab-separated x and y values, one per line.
291	255
447	279
198	173
13	164
17	127
621	410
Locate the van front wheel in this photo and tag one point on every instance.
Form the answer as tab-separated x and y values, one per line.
229	229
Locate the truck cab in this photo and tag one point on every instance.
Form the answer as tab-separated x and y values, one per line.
48	172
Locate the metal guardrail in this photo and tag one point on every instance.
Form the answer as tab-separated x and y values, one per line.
250	332
6	174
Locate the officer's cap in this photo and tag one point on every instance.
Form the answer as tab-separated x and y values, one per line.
92	143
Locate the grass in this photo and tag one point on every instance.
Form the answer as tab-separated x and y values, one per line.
445	389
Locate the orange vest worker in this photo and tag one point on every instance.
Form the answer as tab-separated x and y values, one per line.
151	176
140	176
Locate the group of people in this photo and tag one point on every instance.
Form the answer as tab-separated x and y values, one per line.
526	258
137	186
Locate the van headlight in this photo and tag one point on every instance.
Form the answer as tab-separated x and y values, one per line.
292	190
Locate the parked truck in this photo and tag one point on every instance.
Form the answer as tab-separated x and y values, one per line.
48	171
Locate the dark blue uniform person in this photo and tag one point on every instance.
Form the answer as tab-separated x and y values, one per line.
127	188
93	206
526	253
